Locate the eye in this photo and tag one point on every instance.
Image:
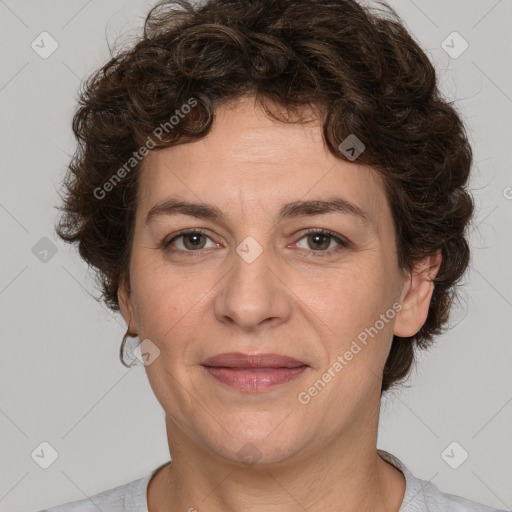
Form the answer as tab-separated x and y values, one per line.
193	240
320	240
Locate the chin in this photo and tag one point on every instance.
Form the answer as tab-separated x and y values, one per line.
257	448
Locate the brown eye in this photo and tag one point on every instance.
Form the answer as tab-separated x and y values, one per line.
319	241
192	240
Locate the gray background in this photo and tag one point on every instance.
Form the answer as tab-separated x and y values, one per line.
60	378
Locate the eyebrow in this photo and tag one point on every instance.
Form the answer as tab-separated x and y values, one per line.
174	206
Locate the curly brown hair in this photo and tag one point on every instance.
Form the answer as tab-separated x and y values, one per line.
357	67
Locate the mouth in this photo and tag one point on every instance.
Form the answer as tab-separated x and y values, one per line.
253	372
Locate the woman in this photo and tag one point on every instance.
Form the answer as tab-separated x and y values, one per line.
273	194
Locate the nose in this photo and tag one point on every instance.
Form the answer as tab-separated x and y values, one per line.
253	293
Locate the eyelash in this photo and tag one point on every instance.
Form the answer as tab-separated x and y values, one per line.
342	243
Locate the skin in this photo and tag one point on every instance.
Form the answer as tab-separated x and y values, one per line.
298	298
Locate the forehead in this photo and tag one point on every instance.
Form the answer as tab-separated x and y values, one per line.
251	163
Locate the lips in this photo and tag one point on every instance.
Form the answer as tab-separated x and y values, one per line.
249	373
239	360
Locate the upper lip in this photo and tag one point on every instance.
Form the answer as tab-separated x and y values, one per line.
240	360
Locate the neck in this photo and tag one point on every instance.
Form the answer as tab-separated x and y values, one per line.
347	476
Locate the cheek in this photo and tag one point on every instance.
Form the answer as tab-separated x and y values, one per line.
170	308
353	296
157	288
351	306
159	301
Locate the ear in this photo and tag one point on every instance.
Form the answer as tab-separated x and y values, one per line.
126	306
415	298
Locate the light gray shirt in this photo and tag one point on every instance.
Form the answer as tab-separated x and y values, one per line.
420	496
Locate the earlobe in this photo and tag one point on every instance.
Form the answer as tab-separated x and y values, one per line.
416	296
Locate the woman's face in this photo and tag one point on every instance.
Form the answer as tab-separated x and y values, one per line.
254	281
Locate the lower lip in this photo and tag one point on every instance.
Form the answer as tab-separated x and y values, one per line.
254	379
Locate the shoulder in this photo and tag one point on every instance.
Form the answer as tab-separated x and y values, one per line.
423	496
124	498
440	501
